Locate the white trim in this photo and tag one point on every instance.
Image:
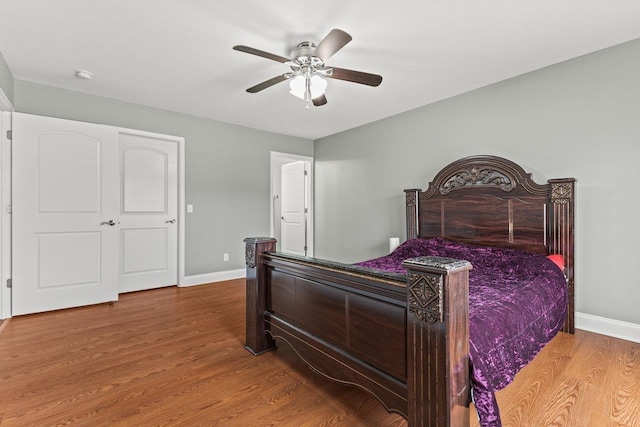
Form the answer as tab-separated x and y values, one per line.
181	190
219	276
613	328
6	107
278	158
5	216
182	210
155	135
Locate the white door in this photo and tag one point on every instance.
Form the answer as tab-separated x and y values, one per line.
65	200
293	209
148	212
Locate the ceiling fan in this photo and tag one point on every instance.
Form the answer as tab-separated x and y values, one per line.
309	69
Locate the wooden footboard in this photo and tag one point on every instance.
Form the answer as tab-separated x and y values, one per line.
404	339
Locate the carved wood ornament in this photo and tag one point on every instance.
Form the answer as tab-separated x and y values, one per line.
250	255
481	177
411	198
425	296
561	192
483	172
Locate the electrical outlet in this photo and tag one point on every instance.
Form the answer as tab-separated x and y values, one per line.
225	257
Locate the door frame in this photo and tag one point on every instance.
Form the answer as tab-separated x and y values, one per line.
277	160
5	205
181	191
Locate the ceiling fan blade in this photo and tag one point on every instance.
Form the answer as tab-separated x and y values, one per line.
333	42
355	76
319	100
266	84
262	53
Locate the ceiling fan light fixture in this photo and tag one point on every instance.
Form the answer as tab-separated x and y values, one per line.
318	86
298	86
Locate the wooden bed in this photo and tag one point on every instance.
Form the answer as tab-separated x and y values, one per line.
405	338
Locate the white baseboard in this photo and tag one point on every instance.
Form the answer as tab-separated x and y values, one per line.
613	328
219	276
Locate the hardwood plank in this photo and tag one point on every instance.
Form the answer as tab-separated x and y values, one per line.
174	357
3	325
516	409
577	380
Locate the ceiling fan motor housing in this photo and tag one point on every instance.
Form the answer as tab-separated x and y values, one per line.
302	56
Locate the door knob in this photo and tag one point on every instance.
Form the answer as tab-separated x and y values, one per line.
171	221
110	222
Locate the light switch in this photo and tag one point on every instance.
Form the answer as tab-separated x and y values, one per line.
189	208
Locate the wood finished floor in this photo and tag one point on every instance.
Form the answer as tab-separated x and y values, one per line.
175	357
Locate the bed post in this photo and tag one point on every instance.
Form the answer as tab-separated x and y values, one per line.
560	237
411	197
438	390
257	341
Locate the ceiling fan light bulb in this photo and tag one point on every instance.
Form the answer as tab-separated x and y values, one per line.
298	86
318	86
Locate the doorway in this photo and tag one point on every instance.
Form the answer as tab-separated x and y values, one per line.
298	230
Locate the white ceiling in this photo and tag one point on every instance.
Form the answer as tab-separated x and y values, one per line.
177	54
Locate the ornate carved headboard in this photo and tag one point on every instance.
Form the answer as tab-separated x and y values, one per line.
492	201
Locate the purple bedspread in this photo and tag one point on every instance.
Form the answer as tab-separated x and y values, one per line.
517	303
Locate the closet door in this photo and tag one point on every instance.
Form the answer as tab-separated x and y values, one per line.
148	211
65	214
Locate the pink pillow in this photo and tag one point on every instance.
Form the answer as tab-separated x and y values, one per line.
557	260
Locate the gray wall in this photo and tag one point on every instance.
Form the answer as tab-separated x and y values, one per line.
580	118
227	168
6	79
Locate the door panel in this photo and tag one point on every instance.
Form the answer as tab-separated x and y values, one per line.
144	250
148	212
77	265
145	188
65	184
293	209
64	192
